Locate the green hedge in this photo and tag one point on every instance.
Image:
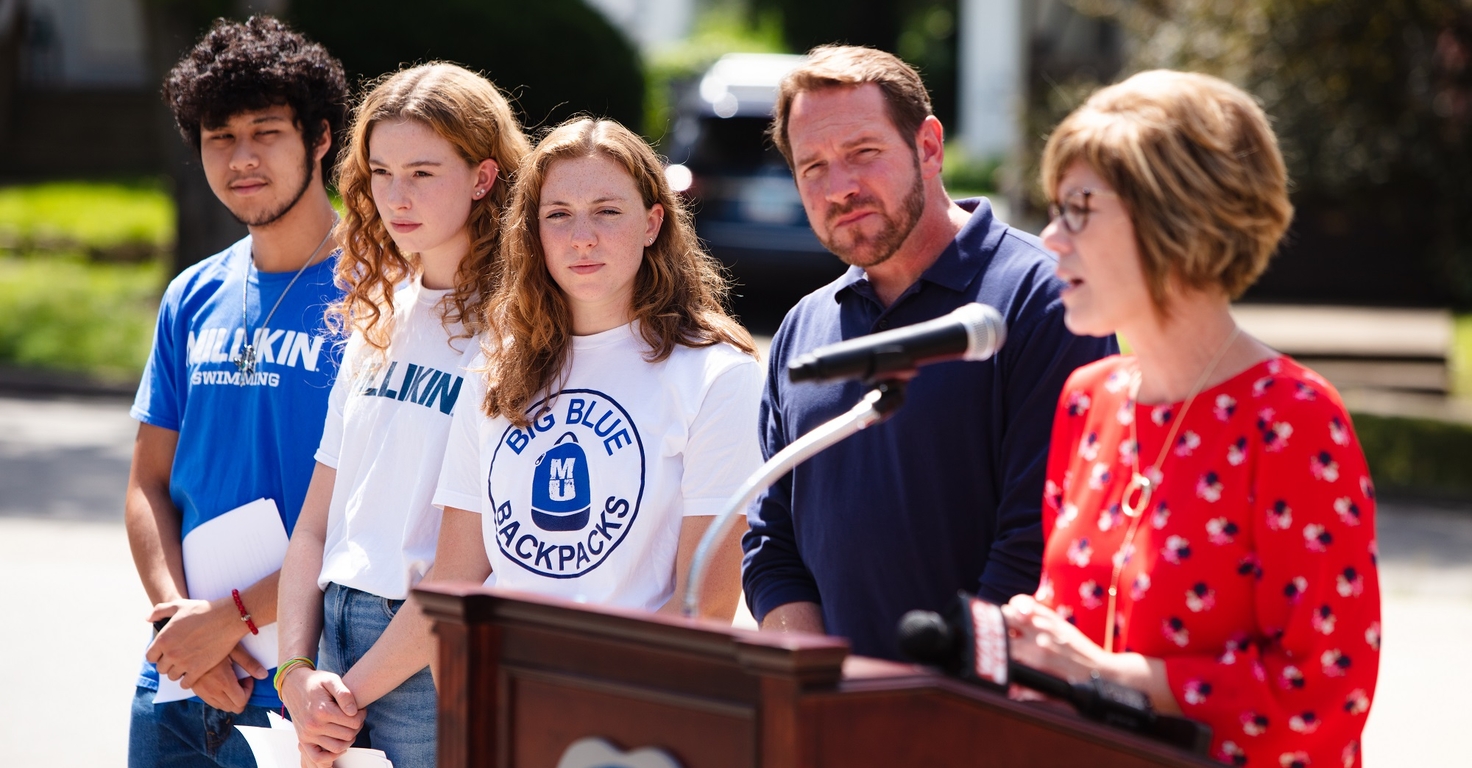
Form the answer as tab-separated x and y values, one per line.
63	312
1419	456
130	220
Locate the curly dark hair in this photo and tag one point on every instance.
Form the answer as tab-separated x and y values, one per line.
240	67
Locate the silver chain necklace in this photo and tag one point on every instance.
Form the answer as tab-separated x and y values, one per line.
245	362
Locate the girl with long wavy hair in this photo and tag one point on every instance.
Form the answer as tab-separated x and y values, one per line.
424	180
619	400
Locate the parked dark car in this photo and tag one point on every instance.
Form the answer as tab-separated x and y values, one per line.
746	206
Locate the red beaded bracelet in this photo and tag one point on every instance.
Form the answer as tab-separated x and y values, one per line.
245	617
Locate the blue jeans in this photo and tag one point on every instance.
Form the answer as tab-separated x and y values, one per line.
403	722
189	734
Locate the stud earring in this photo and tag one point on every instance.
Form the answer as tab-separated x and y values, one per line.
479	193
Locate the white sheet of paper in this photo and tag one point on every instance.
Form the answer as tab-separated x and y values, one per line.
275	747
233	551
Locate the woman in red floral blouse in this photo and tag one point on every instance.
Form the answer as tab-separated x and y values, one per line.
1210	521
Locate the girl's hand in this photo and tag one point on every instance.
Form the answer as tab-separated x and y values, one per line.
323	711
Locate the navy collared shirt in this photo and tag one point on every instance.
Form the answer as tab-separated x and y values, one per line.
946	495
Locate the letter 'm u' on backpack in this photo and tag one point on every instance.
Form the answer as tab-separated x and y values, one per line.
561	498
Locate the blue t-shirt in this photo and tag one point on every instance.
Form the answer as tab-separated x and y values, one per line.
240	440
947	494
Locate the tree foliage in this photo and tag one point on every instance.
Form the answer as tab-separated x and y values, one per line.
1360	90
555	58
1371	100
922	32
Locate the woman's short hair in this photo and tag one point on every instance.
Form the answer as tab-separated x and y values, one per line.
1197	166
840	66
466	110
679	290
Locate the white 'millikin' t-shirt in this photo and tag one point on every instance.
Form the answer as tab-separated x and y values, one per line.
387	422
587	502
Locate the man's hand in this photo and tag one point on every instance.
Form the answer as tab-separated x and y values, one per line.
323	711
218	687
200	634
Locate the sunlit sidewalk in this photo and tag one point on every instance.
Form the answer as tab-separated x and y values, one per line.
74	632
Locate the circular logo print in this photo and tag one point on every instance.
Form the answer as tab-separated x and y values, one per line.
566	490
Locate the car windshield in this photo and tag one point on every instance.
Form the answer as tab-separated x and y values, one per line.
736	144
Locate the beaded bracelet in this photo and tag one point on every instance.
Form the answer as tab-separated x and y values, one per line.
244	615
287	666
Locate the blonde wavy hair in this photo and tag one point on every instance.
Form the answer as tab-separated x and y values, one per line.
679	290
1196	164
470	113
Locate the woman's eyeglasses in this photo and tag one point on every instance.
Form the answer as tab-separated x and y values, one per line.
1075	210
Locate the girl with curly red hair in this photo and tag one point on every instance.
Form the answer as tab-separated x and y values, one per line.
424	179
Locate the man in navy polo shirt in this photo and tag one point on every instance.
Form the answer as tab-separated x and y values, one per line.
947	494
232	402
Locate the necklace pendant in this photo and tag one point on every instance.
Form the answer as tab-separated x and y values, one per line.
1136	495
245	362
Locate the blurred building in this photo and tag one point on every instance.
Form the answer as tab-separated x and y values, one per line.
992	75
81	44
649	23
1005	44
1010	53
75	96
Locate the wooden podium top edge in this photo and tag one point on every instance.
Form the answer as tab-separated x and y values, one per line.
810	658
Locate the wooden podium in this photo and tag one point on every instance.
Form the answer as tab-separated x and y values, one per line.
523	677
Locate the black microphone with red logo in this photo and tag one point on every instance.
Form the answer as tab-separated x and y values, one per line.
970	642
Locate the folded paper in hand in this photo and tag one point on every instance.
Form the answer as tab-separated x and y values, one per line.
275	747
233	551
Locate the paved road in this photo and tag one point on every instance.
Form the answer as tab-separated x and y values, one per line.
73	629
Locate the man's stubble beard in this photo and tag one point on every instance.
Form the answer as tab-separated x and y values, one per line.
888	240
271	217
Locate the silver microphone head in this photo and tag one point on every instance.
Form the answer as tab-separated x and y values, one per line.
986	331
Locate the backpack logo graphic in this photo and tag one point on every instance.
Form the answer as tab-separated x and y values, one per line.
566	489
560	493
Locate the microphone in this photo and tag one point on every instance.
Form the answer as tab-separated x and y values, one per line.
970	643
973	332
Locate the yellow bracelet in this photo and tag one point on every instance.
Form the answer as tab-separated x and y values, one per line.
288	666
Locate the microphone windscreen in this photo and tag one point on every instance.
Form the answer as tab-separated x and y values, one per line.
925	637
986	331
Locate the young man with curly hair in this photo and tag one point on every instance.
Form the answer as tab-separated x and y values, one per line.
232	402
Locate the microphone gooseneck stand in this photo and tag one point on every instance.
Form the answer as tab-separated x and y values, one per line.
876	406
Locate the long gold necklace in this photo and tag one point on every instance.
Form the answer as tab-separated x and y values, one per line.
1141	486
